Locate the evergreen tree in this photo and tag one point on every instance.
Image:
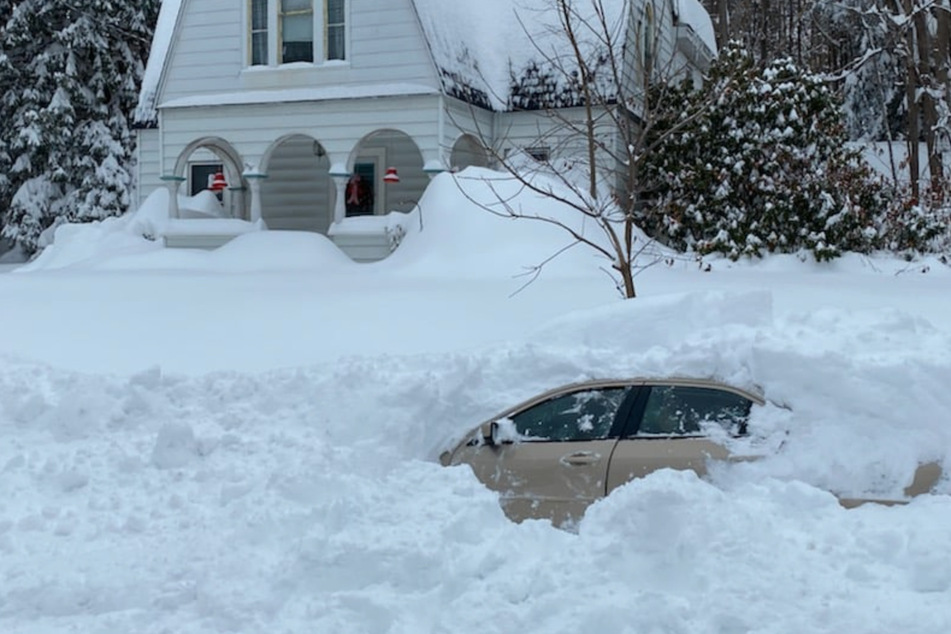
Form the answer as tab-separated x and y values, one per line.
765	170
72	69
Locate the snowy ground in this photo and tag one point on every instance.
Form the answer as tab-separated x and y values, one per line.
245	441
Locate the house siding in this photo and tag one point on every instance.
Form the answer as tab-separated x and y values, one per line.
253	128
209	56
147	170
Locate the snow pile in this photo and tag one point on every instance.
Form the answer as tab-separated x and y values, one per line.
245	440
464	220
88	244
309	498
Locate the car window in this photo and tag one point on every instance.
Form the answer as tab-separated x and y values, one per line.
673	410
584	415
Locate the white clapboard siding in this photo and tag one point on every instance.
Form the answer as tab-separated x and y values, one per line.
462	118
338	125
209	55
539	129
147	172
296	195
206	54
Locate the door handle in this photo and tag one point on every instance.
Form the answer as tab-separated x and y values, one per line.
580	458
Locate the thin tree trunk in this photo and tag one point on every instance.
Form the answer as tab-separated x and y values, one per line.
723	22
943	73
911	85
929	111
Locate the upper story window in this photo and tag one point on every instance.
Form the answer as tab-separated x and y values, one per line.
297	31
288	31
336	29
259	30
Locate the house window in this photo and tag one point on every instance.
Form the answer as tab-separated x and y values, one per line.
200	176
335	32
297	31
259	33
540	153
289	31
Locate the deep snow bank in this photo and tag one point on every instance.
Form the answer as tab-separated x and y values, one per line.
308	499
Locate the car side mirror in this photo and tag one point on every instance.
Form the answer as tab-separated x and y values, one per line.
490	433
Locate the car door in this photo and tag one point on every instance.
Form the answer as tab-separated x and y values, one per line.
551	460
669	428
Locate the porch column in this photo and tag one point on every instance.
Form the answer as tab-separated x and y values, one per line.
173	183
433	169
254	182
340	178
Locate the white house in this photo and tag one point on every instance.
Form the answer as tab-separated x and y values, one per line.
321	115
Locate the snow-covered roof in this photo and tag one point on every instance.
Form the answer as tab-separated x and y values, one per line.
693	14
161	44
504	54
499	54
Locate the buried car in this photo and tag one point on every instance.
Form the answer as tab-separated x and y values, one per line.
552	456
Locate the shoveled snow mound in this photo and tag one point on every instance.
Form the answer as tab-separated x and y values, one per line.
89	244
257	251
465	224
309	499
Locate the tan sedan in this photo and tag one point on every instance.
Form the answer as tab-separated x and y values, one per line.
553	455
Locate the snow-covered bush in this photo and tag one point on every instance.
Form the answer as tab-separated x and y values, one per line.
764	169
69	75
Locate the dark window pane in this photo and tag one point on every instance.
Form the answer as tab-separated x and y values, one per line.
258	15
675	410
297	31
586	415
335	12
298	52
336	43
259	48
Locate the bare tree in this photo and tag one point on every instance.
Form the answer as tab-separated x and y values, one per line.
618	75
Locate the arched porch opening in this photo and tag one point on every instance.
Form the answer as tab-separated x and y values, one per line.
297	194
196	168
468	151
368	192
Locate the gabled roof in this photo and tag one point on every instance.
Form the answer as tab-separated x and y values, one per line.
158	54
496	53
515	54
499	54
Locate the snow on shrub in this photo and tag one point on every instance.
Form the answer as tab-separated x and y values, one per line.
764	169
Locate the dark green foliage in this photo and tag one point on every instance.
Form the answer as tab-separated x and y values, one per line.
70	70
765	169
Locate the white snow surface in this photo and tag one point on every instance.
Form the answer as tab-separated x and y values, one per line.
695	15
245	440
158	54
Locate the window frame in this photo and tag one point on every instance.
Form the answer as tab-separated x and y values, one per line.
252	32
274	53
628	397
343	26
281	15
632	427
